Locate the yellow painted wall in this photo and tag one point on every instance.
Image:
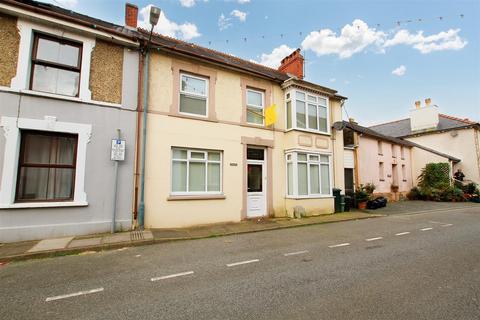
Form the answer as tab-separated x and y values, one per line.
166	131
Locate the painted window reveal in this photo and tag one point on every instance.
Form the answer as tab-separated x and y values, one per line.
47	163
308	174
394	152
404	172
307	111
56	65
380	147
381	171
255	106
193	95
196	171
402	152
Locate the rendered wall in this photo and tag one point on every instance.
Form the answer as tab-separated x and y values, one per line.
223	130
368	165
457	143
10	41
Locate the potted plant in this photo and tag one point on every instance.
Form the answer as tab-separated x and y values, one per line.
394	188
361	198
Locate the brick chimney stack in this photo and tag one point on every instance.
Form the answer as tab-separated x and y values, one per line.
293	64
131	16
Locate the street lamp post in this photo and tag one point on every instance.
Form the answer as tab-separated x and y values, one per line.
154	16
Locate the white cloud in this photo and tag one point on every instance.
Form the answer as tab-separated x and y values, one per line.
224	22
243	1
242	16
332	80
445	40
169	28
400	71
353	38
273	59
69	4
187	3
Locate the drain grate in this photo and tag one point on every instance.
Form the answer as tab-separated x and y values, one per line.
136	235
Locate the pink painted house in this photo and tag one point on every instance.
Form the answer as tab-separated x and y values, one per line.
391	164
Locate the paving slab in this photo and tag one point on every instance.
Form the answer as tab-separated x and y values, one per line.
51	244
116	238
85	242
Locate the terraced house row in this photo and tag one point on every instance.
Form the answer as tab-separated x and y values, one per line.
101	120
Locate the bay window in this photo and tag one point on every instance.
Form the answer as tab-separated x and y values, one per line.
196	171
308	174
307	112
193	95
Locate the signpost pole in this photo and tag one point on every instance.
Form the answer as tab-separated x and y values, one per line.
115	188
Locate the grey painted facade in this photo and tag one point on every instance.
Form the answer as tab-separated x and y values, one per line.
18	224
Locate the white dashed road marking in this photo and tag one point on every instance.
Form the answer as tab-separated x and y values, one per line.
76	294
339	245
295	253
447	225
374	239
242	262
426	229
402	233
172	276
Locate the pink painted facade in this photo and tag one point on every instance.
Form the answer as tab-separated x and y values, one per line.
384	164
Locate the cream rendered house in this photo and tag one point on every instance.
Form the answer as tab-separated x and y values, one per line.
458	137
210	158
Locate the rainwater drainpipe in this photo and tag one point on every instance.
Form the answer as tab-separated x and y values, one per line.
154	16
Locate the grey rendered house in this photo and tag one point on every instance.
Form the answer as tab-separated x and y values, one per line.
68	83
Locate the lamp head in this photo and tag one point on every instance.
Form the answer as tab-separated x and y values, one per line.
154	15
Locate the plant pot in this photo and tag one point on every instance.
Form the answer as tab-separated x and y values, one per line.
362	205
394	189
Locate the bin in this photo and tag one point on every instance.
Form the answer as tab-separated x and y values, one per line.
338	199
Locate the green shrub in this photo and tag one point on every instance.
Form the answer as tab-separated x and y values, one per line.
414	194
369	188
470	188
434	175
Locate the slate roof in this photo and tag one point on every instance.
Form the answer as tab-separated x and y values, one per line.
402	128
372	133
162	42
69	15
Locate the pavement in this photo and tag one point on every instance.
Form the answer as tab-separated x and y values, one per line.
404	266
76	245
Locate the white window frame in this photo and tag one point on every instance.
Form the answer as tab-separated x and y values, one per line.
194	95
262	107
291	96
190	159
21	81
12	127
294	160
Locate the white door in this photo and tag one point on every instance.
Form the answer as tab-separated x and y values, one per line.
256	183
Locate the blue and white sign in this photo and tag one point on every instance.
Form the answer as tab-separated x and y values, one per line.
118	150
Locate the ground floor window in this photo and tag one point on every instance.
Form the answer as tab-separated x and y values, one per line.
308	174
196	171
46	168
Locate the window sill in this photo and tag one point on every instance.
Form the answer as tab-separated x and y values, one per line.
192	117
309	197
196	197
309	131
60	97
26	205
382	179
404	180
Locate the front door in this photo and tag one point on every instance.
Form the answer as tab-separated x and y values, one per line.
256	183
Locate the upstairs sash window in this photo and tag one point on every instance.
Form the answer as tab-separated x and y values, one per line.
193	95
56	65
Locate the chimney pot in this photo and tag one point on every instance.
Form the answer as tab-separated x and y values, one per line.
417	104
131	16
427	102
293	64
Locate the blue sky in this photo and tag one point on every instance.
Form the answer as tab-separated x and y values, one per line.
355	47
